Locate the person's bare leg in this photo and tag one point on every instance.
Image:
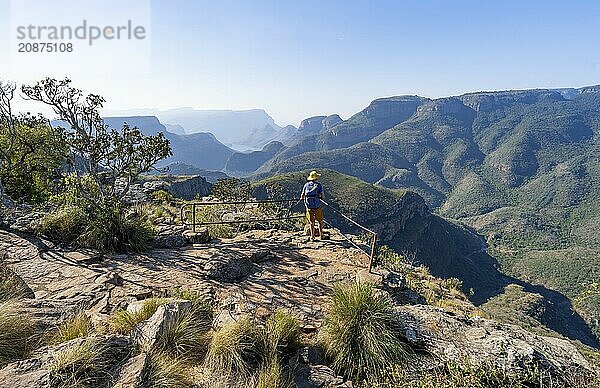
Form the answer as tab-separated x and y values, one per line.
320	230
311	224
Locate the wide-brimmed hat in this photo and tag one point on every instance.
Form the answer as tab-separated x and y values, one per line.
313	176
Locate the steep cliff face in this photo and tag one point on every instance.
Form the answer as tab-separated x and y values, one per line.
311	125
380	115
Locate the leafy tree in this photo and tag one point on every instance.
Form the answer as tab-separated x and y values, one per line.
7	130
112	159
31	152
33	166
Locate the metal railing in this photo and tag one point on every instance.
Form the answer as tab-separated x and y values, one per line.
193	221
193	206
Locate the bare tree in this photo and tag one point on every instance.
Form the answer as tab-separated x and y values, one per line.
112	159
7	130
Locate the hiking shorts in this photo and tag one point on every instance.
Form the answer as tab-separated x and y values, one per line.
312	214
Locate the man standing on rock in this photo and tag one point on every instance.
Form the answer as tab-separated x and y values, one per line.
312	194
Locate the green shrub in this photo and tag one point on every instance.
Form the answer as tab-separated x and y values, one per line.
79	325
18	332
65	224
165	371
12	286
115	231
123	322
233	349
110	231
360	333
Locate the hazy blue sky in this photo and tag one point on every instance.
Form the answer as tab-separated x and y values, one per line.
301	58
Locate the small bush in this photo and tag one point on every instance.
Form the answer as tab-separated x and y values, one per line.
233	349
360	334
12	286
115	231
165	371
65	224
110	231
81	364
18	333
77	326
188	334
123	322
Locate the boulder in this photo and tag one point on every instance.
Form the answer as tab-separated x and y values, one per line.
229	267
131	373
146	335
200	236
452	337
319	376
170	241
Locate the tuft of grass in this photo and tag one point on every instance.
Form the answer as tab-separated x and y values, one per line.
12	286
165	371
272	375
117	231
80	325
79	365
123	322
281	333
360	333
65	224
188	335
18	333
233	349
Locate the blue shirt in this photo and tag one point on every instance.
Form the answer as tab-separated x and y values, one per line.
312	191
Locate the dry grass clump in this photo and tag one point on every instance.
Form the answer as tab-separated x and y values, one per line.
189	334
233	349
163	370
79	365
281	333
360	333
79	325
247	354
11	285
272	375
123	322
18	333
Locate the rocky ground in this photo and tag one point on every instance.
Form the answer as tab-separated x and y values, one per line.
255	274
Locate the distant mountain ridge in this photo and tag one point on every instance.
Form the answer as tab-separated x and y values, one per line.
201	150
243	129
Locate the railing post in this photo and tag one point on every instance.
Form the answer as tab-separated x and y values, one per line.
194	217
372	258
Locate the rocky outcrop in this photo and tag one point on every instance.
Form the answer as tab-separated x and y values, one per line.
410	206
255	274
146	335
488	101
311	125
448	106
331	121
380	115
483	342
